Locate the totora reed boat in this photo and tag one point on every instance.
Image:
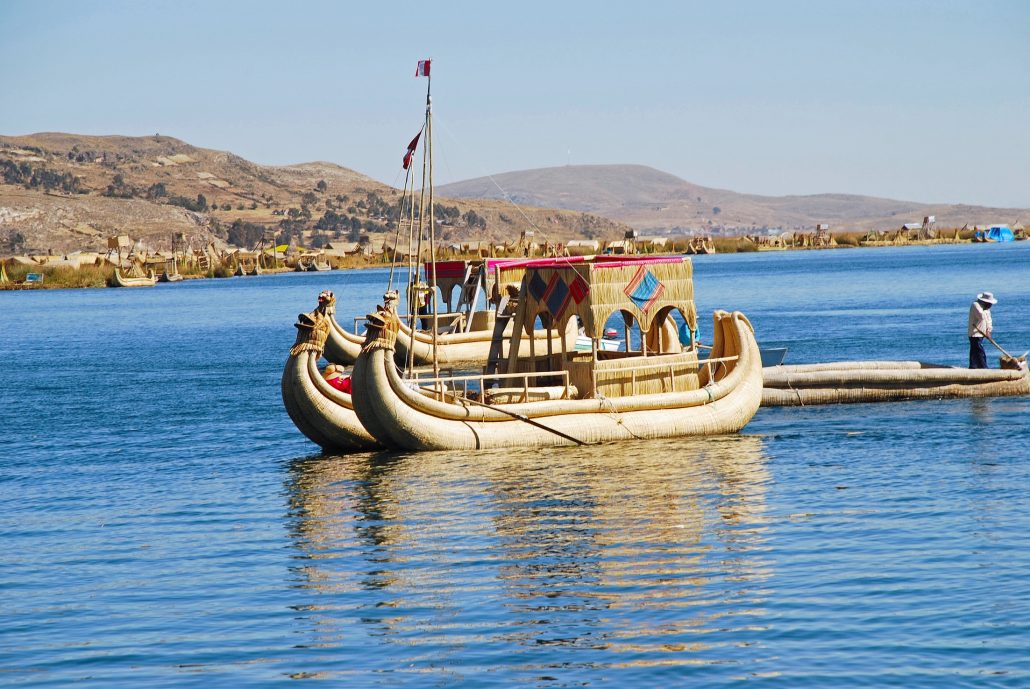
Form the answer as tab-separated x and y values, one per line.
887	381
140	280
468	333
660	390
538	386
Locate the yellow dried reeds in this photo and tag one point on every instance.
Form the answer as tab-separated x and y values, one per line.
595	290
883	381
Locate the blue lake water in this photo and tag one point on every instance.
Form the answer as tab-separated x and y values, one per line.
164	524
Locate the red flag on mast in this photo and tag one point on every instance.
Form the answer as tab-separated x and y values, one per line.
423	68
411	150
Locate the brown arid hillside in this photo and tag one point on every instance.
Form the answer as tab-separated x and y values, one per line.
656	202
66	192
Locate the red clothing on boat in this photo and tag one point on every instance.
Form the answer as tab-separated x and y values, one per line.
342	384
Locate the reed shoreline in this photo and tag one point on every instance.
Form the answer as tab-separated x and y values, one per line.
65	277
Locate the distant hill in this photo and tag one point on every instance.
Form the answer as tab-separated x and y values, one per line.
654	201
64	192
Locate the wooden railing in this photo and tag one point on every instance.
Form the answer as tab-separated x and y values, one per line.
438	382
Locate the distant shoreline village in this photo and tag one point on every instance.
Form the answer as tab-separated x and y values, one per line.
90	211
128	262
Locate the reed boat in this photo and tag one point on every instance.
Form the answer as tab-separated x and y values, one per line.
886	381
134	281
468	348
171	271
660	390
466	332
453	348
319	266
321	412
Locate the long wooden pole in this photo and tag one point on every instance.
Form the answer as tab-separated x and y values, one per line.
991	340
397	234
432	222
520	417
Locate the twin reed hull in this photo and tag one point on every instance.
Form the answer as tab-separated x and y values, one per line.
401	417
472	348
884	381
321	412
342	347
123	281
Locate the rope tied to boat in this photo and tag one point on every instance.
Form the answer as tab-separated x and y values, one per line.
708	389
615	415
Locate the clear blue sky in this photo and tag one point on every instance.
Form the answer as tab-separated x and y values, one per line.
922	101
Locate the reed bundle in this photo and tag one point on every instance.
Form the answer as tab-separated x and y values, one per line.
882	381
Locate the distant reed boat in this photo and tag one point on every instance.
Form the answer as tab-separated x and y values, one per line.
169	277
701	245
319	266
134	281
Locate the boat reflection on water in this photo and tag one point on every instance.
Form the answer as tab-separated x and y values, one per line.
652	551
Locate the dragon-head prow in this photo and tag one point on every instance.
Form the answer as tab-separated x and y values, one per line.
382	325
326	302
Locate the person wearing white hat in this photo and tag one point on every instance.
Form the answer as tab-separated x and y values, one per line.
980	326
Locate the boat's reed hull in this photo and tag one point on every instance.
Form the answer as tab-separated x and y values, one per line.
884	381
471	348
401	417
453	349
342	347
322	413
123	281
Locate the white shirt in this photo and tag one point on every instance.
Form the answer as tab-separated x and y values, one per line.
979	320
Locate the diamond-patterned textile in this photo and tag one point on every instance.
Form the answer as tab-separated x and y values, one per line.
537	286
644	289
557	296
579	289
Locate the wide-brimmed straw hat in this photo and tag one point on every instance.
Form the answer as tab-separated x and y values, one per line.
987	298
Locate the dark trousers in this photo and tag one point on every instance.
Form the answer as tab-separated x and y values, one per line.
977	355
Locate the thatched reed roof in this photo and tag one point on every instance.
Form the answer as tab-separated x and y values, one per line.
596	287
